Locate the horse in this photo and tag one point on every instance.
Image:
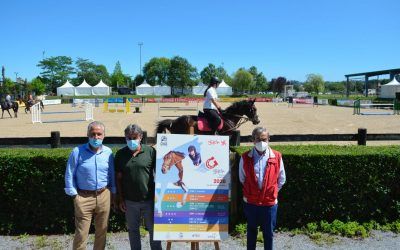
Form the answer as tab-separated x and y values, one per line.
29	104
172	158
233	117
5	106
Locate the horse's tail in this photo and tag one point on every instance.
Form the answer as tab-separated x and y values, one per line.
163	126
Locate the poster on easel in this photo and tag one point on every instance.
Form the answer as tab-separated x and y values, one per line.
192	187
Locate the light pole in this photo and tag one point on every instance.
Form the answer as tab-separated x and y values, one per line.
140	58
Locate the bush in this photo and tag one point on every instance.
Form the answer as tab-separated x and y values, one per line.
347	183
332	102
32	193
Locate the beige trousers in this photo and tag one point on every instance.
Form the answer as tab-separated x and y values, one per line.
87	206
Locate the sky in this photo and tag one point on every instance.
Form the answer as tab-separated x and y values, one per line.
290	38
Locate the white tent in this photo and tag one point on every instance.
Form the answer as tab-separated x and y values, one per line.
224	89
83	89
144	89
389	90
162	90
67	89
101	89
199	89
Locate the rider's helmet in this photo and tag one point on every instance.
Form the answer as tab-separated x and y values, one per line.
214	80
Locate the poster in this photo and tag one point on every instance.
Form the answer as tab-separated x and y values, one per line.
192	187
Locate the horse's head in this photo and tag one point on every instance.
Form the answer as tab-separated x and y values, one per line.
167	162
249	109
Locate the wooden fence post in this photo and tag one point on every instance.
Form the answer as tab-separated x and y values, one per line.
362	136
55	141
235	138
144	138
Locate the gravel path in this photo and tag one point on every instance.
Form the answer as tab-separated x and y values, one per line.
377	240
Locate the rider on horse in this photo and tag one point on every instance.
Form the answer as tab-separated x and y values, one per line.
211	107
8	101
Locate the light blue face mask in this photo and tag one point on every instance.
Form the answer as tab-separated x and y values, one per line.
96	143
132	144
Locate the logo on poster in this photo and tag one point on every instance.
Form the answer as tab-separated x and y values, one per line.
163	141
211	163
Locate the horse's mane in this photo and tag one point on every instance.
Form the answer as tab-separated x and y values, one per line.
178	153
235	106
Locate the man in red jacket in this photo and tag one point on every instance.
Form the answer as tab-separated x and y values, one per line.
262	174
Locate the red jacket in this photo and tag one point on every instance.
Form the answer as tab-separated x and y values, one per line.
268	194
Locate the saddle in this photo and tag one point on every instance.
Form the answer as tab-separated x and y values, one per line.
202	123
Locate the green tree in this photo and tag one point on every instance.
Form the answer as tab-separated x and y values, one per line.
9	86
181	73
156	70
315	83
278	84
118	78
260	82
207	73
139	79
55	71
242	80
91	72
36	86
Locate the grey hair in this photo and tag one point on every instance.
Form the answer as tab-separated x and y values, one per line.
95	124
257	132
133	129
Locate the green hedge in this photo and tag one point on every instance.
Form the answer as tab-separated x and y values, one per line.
348	183
323	183
32	198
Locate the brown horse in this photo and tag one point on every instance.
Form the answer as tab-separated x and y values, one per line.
5	106
233	116
29	104
174	158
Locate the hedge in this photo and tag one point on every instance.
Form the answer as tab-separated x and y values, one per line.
323	183
348	183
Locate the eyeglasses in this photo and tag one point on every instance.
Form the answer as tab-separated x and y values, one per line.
264	140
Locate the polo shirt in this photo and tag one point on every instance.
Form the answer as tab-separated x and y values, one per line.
137	172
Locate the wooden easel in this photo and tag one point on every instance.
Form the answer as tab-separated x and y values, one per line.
194	245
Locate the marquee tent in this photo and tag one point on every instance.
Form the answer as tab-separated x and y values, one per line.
389	90
67	89
199	89
83	89
162	90
224	89
144	89
101	89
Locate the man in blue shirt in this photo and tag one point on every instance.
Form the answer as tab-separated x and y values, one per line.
89	179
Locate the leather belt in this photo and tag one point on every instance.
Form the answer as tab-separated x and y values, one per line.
92	192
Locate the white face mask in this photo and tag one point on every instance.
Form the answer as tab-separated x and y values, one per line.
261	146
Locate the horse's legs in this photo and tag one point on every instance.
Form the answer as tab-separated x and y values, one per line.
180	183
2	114
9	113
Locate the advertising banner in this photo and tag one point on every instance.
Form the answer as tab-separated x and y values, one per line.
192	187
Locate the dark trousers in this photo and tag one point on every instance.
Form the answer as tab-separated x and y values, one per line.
262	216
213	119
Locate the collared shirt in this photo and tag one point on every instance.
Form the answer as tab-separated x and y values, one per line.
89	170
137	172
260	164
210	94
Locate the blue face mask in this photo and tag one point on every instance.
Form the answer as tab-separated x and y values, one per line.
132	144
96	143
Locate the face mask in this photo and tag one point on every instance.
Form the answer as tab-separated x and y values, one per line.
95	142
132	144
261	146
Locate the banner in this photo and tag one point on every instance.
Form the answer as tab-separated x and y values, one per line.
192	187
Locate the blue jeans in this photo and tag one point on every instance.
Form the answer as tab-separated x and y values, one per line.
262	216
133	214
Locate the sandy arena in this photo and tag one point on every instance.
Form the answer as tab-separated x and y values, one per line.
279	119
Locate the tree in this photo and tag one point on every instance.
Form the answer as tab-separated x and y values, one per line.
207	73
8	86
118	78
37	86
55	71
315	83
181	73
242	80
278	84
260	82
156	70
91	72
138	80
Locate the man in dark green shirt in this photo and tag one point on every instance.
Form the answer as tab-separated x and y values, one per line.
135	167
